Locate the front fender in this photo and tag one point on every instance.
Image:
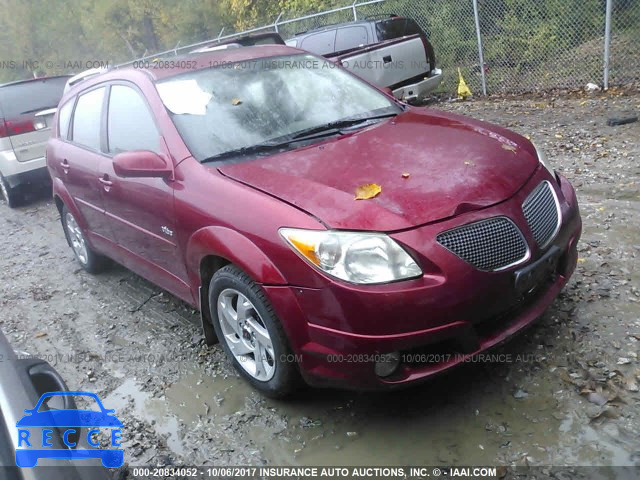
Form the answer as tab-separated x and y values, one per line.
234	247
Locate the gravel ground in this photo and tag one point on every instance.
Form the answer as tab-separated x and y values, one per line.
567	396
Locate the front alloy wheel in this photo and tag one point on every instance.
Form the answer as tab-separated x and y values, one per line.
251	334
246	334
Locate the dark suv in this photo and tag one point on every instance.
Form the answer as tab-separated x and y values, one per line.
391	52
343	37
27	108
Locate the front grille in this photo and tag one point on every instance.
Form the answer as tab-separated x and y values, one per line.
488	245
541	211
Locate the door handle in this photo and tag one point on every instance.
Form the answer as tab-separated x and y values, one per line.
386	59
106	182
65	165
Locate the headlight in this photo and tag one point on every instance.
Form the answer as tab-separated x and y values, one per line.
542	158
362	258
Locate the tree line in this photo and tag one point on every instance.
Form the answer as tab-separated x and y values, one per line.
40	37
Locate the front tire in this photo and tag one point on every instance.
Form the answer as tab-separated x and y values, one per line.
10	195
251	334
88	259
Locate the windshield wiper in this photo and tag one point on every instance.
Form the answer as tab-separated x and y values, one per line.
269	146
338	124
321	131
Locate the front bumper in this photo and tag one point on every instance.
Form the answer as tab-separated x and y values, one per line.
437	321
411	93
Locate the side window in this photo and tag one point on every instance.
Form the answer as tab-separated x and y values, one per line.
412	28
64	118
351	37
86	119
320	43
397	27
130	125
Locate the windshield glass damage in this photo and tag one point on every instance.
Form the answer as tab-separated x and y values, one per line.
233	107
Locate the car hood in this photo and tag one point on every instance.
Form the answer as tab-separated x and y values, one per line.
430	165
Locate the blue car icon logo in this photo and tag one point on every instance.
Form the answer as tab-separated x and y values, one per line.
36	430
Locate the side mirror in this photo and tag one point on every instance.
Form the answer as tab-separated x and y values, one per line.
141	163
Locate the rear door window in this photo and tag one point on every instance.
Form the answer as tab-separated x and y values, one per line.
320	43
396	28
64	118
351	37
87	119
130	125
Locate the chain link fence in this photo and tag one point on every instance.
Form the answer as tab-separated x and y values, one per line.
525	45
624	60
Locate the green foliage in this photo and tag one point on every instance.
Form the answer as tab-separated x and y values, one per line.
523	34
64	36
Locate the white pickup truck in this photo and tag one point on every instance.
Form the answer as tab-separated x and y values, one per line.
391	52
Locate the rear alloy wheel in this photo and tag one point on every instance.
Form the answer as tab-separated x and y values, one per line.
10	195
251	334
88	259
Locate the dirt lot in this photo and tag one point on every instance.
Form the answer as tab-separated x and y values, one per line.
568	394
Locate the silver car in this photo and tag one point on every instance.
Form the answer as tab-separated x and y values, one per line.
27	109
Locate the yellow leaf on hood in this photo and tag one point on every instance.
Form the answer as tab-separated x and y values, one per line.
406	175
510	148
367	191
235	101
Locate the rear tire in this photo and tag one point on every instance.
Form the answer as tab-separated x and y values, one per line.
86	257
251	334
10	195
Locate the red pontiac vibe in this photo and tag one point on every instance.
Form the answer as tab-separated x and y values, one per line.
229	179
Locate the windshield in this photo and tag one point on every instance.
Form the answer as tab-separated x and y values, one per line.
236	106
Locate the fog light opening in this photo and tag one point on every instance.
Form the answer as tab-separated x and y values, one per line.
387	364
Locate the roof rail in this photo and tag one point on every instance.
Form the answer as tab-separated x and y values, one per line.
82	76
382	16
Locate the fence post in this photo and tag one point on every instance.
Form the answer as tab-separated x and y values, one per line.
354	6
607	42
275	24
480	54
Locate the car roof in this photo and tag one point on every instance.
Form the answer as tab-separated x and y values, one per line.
31	80
332	26
172	66
207	59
